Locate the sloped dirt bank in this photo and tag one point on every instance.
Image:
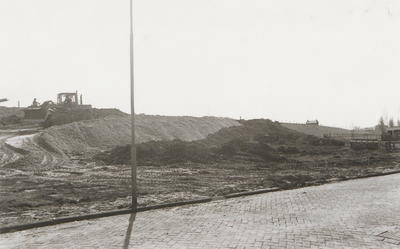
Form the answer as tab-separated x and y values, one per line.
10	116
112	131
253	141
327	131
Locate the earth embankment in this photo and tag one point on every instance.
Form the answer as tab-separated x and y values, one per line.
10	115
112	131
258	140
327	131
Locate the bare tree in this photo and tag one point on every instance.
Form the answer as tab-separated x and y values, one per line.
391	123
385	116
382	125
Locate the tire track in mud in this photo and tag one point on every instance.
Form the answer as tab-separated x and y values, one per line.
49	166
21	147
49	159
7	155
46	165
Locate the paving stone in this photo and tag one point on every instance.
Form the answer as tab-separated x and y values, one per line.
363	213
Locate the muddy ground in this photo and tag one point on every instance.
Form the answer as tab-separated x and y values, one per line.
86	187
45	183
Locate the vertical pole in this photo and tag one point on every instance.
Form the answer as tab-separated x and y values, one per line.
133	147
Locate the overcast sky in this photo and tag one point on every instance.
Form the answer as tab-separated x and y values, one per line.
335	61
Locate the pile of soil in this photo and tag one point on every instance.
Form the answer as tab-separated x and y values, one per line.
316	130
59	118
159	153
84	135
253	141
15	116
164	128
108	132
261	130
10	116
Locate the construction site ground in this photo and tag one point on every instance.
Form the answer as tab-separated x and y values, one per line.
83	167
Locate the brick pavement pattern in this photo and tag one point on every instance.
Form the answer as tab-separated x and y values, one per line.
363	213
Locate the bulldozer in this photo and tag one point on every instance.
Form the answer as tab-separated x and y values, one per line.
66	110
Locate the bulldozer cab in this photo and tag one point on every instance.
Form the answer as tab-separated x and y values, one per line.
69	100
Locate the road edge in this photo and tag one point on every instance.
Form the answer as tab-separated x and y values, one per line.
56	221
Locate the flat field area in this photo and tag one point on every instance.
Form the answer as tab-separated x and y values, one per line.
30	194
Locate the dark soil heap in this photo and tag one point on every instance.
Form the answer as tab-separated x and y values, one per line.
254	141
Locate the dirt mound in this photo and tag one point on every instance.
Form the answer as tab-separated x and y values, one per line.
94	113
316	130
156	128
322	131
254	141
263	130
84	135
159	153
8	111
106	133
10	115
164	140
10	120
178	151
62	117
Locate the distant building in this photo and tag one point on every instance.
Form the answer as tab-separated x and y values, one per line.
394	132
380	128
312	122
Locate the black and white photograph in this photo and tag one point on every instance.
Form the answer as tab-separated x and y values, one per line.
199	124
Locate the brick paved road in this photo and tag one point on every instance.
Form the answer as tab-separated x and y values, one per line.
361	213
